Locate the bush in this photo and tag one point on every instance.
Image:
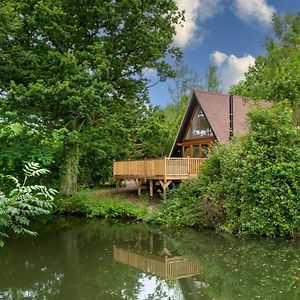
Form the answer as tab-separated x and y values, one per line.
261	176
191	204
250	186
24	202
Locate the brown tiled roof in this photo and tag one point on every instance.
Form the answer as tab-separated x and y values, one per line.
216	108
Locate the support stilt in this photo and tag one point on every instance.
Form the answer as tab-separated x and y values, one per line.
164	185
151	188
118	183
139	183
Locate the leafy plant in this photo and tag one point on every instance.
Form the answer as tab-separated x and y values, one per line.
24	202
248	187
102	206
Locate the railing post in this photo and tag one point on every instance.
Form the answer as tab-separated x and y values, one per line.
129	168
165	171
188	167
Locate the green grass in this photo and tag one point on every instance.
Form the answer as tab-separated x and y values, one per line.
101	205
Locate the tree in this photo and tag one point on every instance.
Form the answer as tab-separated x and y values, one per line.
151	135
213	79
276	76
77	68
186	79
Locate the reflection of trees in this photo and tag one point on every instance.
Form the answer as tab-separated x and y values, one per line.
66	262
73	260
245	269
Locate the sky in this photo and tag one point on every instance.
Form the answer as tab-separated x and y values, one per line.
227	33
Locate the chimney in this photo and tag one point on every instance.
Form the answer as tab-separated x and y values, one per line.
230	117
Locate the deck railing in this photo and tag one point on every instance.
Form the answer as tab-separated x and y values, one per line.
168	268
161	168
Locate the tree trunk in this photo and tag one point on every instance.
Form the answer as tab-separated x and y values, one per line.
68	186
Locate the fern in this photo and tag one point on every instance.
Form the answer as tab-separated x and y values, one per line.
24	202
33	169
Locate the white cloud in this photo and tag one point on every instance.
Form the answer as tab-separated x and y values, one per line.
218	58
231	67
254	10
196	11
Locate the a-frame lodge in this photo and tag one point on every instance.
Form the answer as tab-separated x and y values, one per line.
209	118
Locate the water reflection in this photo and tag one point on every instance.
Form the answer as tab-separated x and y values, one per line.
152	255
79	259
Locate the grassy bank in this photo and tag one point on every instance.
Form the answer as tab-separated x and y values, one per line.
103	204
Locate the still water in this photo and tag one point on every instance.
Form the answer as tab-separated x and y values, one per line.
91	259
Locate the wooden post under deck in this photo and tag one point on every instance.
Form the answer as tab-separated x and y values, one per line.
139	183
151	188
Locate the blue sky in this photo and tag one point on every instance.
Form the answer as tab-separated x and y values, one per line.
228	33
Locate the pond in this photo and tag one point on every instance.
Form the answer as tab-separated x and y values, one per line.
92	259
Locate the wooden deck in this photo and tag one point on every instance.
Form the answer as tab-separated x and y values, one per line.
165	170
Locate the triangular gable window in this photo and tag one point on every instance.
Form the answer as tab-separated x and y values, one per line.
198	126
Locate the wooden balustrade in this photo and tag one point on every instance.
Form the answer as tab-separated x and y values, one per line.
168	168
168	268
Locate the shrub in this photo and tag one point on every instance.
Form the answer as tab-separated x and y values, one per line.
190	204
24	202
250	186
261	176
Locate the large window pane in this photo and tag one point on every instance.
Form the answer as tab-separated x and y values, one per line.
187	150
196	124
195	151
205	128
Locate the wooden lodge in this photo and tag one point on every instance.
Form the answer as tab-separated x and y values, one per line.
209	118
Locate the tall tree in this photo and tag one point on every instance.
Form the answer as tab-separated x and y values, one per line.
186	79
213	80
77	67
276	76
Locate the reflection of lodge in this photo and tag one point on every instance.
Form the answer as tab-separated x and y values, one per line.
164	266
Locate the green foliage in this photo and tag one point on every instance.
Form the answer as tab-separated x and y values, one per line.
173	114
197	202
248	187
185	81
260	176
149	137
24	202
181	207
85	204
21	144
276	76
79	70
213	79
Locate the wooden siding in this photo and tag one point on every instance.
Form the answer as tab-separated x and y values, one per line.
167	168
